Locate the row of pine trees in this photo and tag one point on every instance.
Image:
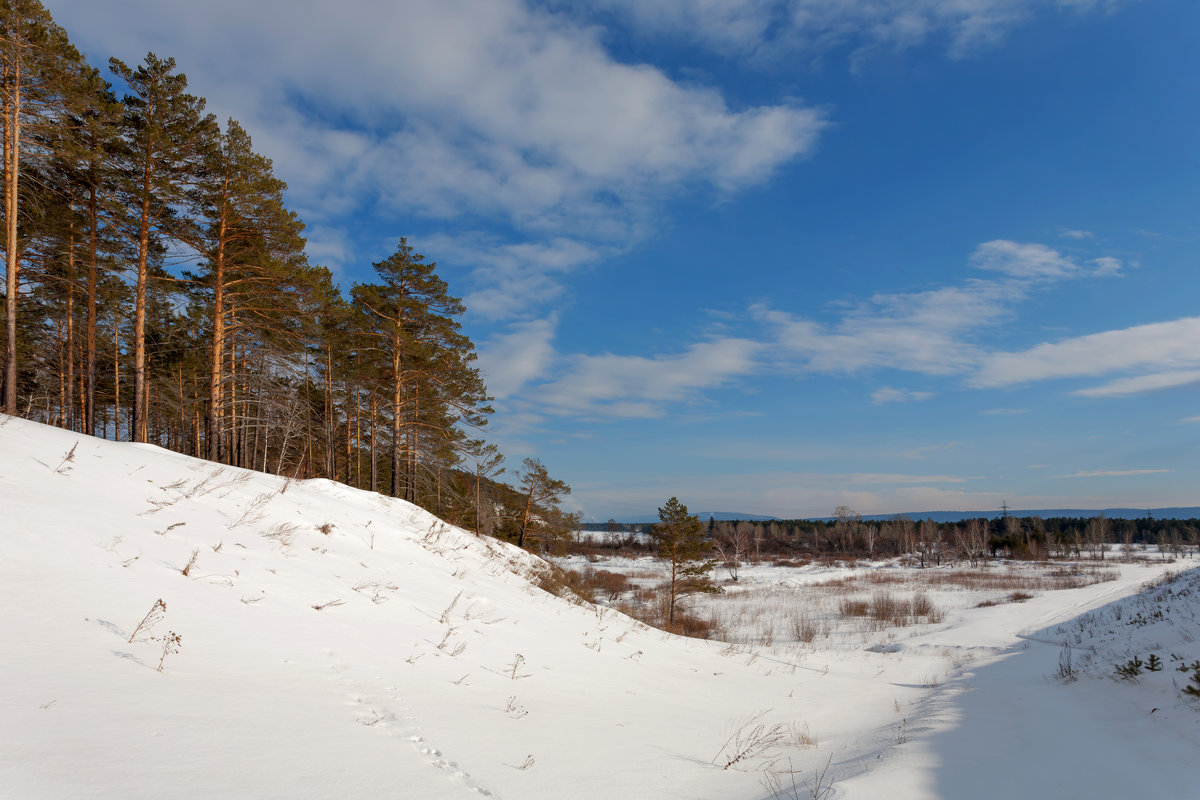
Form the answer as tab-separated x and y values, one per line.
157	290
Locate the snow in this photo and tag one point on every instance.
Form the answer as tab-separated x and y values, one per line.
434	668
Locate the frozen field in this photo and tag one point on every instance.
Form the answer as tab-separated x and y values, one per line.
337	644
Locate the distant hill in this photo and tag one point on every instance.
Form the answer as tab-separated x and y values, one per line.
1181	512
1175	512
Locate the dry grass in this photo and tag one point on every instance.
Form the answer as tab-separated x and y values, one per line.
586	584
886	610
985	579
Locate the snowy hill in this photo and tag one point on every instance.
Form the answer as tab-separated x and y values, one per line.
338	644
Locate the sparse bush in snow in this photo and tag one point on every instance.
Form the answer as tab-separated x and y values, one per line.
1066	663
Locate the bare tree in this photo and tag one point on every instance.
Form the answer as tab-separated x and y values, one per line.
1098	532
972	540
731	545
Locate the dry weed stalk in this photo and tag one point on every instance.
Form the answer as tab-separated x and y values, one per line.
445	617
281	532
253	511
328	604
152	618
750	737
170	644
64	466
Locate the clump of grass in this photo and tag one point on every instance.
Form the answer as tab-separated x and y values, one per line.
806	629
884	609
855	607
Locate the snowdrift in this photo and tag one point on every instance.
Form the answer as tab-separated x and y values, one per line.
333	643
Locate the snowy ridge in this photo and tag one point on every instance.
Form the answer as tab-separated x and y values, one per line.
339	644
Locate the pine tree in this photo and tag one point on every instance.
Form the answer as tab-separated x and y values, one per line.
35	60
245	233
412	321
679	541
164	132
542	494
486	462
86	145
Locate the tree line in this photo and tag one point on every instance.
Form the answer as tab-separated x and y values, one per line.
157	290
930	542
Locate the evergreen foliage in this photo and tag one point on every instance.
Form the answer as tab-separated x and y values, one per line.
679	541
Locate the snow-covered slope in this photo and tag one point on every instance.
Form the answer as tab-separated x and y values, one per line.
338	644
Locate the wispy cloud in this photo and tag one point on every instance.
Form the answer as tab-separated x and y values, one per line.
510	361
887	394
1072	234
775	28
637	386
1112	473
1004	412
1027	261
1166	348
933	332
511	279
1142	383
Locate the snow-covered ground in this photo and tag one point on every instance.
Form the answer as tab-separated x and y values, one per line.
338	644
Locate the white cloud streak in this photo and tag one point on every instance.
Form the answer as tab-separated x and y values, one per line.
777	28
512	360
1112	473
1168	349
887	394
637	386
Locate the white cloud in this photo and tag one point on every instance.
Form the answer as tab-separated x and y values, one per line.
1107	266
1112	473
775	28
636	386
1027	261
1004	412
477	108
511	278
925	332
1165	347
510	361
1141	383
1073	234
887	394
1190	419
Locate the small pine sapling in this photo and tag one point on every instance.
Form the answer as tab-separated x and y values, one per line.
1153	663
1193	687
1130	670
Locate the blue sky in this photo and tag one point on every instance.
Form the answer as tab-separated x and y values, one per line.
771	256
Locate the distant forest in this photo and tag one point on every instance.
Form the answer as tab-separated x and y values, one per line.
157	290
930	542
